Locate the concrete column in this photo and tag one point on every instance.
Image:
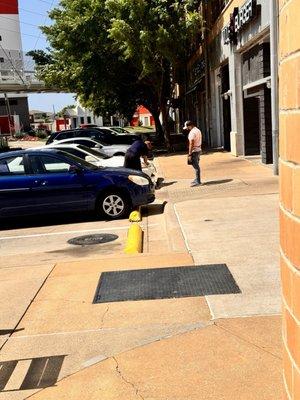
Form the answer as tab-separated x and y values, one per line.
236	101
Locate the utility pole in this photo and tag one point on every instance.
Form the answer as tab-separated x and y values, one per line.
6	99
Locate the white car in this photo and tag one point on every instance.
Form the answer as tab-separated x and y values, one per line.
93	156
108	150
116	130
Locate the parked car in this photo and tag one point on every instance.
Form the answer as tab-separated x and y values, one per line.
95	157
103	135
110	151
51	181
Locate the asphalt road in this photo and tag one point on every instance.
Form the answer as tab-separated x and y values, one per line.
44	239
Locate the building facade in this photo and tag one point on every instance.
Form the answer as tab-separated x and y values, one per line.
12	63
142	117
289	103
80	116
228	84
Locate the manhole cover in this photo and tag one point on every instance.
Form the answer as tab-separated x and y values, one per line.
165	283
89	240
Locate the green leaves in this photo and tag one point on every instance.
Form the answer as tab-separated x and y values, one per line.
116	54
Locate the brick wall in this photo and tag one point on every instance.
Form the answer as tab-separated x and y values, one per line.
289	58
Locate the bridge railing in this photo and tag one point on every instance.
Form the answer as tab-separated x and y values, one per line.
16	67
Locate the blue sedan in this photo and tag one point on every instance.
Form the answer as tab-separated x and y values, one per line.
52	181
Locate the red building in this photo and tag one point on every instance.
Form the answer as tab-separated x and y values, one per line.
142	117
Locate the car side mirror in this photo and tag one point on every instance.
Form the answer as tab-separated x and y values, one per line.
74	169
98	146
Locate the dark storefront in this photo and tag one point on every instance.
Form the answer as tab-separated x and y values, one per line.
195	96
257	102
225	87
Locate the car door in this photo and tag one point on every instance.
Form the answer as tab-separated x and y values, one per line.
57	186
15	184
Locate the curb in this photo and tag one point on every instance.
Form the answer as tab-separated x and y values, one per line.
134	242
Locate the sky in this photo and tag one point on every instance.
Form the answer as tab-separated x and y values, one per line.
34	13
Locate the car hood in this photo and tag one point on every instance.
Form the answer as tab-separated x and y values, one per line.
123	171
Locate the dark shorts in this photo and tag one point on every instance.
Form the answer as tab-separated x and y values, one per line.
132	161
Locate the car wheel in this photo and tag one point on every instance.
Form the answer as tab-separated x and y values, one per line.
113	205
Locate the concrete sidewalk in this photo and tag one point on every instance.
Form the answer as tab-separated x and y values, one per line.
215	347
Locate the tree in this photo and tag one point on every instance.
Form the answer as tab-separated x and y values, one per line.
62	112
40	57
117	54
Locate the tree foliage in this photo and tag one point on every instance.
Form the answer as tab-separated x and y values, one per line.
63	111
40	57
116	54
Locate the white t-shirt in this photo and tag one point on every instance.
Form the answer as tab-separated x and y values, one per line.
196	135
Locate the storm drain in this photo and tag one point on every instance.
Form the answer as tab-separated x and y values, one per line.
165	283
89	240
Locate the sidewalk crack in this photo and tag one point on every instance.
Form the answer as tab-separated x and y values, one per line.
103	316
125	380
246	341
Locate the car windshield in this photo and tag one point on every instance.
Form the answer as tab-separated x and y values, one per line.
79	161
119	129
93	152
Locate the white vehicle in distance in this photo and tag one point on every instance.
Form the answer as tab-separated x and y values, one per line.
114	129
108	150
93	156
120	131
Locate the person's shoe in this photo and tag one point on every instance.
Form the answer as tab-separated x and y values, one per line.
194	184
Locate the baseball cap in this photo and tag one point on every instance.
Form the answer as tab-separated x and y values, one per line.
187	124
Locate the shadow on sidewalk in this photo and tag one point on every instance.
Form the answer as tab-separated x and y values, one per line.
36	221
161	184
209	183
4	332
156	209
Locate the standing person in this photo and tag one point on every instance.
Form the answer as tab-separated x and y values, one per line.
133	155
195	143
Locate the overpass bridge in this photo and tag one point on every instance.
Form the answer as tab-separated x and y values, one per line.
18	87
18	74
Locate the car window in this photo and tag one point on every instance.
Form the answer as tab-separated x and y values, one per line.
104	138
91	151
12	166
79	161
50	164
82	133
65	135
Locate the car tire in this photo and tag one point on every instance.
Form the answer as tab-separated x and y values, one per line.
113	205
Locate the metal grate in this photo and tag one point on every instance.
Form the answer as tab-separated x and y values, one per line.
165	283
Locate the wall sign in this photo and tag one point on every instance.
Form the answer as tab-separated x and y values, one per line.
240	18
244	14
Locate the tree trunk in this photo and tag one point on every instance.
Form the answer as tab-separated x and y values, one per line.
158	125
166	128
